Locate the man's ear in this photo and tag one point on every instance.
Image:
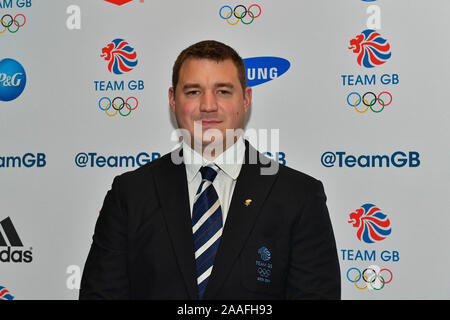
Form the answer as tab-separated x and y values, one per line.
247	99
172	99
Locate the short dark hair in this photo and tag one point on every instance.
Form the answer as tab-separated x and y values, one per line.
213	50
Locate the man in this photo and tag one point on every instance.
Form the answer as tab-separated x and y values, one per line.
212	229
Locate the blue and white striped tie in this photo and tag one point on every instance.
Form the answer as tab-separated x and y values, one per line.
206	227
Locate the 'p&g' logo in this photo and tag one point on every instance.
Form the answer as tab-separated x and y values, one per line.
12	79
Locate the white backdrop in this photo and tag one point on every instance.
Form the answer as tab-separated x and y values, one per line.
53	202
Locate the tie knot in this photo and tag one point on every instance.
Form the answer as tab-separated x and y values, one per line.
208	173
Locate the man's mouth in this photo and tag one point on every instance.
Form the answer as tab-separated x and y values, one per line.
210	122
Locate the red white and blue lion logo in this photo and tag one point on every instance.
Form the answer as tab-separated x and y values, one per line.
372	49
4	294
372	224
120	55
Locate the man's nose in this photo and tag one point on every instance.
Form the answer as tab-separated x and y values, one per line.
208	102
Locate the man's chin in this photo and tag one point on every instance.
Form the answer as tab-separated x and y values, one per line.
210	142
207	142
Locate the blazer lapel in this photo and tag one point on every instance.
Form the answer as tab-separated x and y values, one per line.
171	183
240	219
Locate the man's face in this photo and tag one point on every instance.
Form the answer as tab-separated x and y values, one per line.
209	92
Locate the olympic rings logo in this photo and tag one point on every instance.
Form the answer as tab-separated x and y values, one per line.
371	277
264	272
12	24
370	102
240	16
105	104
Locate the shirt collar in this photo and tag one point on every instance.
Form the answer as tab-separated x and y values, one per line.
230	161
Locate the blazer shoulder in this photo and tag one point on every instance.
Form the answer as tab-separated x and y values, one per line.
143	174
291	179
300	180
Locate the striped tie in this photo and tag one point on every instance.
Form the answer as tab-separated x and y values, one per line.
206	227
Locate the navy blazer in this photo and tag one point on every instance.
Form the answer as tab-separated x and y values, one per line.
279	245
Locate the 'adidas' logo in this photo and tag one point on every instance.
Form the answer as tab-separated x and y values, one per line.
8	232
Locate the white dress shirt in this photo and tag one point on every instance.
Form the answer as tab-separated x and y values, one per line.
228	165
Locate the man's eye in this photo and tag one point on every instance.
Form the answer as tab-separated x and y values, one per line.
192	93
225	92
